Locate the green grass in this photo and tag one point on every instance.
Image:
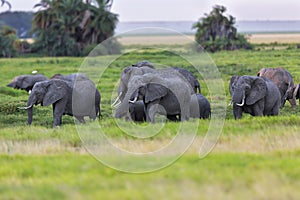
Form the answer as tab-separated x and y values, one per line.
255	158
220	176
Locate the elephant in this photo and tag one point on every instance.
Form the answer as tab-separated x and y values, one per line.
166	96
199	107
190	78
26	82
137	111
59	93
129	72
255	95
72	78
283	80
296	92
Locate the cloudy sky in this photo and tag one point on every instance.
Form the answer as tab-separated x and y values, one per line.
191	10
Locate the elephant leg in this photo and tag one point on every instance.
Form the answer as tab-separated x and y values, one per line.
172	118
237	112
58	110
185	113
151	110
258	110
80	119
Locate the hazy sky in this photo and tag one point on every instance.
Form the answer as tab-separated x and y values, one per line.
191	10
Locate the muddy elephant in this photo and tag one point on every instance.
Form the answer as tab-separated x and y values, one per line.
283	80
26	82
78	101
257	96
166	96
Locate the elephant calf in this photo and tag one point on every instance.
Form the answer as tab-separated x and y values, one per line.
137	111
200	107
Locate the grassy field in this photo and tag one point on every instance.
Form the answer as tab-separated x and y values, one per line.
255	158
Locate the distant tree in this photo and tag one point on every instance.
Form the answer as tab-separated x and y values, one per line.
216	32
67	28
7	39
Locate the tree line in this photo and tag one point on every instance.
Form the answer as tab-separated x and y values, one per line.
75	27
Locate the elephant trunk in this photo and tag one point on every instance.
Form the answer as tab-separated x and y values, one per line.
31	101
239	97
123	108
29	110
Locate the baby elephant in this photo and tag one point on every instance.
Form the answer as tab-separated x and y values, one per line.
137	111
199	107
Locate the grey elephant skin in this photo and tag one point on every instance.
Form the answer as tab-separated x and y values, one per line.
59	93
167	96
144	67
199	107
283	80
72	78
190	78
26	82
137	111
257	96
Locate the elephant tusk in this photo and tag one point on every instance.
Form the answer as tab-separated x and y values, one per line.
296	91
117	105
134	100
25	108
114	104
243	102
230	104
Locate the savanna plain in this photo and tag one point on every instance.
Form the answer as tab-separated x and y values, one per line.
254	158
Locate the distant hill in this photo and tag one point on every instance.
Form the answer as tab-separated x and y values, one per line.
19	20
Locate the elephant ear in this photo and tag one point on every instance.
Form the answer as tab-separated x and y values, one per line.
154	91
26	83
55	91
258	91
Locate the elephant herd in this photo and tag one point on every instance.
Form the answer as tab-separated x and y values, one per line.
145	91
264	94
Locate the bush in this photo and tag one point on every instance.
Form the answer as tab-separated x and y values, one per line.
216	32
7	38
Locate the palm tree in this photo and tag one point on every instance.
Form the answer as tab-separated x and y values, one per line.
217	32
75	22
